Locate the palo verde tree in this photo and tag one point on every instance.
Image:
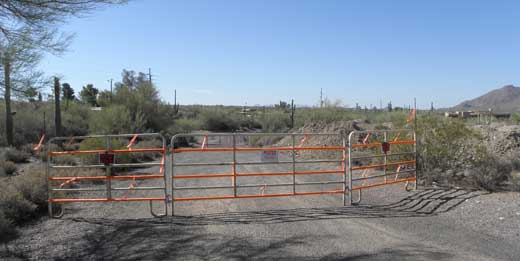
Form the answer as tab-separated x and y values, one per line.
29	28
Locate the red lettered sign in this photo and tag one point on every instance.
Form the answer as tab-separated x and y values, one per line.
385	147
106	158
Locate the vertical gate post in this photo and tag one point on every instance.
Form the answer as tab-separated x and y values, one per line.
172	171
345	188
385	157
293	164
234	165
108	171
350	167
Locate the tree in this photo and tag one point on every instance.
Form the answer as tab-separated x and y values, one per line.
89	94
57	108
18	61
42	19
29	28
68	94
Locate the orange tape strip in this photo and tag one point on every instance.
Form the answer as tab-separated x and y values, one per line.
129	146
37	148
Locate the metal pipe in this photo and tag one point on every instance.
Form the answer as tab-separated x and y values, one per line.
383	175
293	163
383	155
234	166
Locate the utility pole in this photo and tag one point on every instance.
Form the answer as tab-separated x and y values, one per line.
292	113
381	104
150	75
321	97
111	92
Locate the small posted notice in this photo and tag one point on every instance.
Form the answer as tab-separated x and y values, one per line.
269	156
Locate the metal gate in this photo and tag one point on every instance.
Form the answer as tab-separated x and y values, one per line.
381	157
215	166
105	168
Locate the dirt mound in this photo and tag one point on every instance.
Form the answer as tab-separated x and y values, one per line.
501	140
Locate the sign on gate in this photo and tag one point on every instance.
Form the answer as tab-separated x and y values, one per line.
269	156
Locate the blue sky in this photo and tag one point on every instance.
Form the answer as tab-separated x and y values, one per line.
260	52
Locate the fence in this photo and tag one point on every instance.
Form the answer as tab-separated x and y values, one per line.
110	162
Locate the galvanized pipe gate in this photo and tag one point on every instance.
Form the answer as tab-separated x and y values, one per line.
232	166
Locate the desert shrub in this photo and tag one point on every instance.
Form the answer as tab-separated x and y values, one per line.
15	207
17	156
113	120
149	156
216	120
65	160
275	122
32	185
7	229
8	167
183	125
28	149
453	154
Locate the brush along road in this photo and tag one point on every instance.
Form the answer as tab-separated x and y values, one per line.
390	223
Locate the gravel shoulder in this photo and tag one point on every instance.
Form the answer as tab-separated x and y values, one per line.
427	224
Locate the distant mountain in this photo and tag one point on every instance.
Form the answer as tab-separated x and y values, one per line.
505	99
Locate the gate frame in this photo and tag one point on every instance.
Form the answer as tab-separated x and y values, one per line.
108	170
386	163
233	164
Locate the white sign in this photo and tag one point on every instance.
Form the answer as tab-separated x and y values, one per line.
269	156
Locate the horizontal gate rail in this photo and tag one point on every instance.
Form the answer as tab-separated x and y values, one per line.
234	164
108	164
369	141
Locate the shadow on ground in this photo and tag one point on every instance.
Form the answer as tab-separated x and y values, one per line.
187	237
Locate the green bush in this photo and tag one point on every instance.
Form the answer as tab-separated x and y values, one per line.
32	185
17	156
7	229
275	122
65	160
8	167
15	207
216	120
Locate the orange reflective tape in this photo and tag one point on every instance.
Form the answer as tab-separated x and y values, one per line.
161	169
305	136
134	138
204	142
365	140
411	116
67	182
384	183
39	145
375	166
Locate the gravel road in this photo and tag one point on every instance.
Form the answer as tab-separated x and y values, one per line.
390	224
